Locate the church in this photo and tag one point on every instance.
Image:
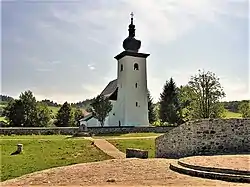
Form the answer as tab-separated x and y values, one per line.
127	93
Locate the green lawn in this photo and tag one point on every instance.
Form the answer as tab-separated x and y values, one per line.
229	114
107	136
145	144
43	152
2	118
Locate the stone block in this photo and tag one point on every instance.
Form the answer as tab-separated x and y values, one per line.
136	153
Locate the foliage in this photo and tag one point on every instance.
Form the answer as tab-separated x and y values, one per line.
151	109
65	116
101	106
170	109
82	104
14	113
232	106
26	112
44	152
78	114
30	108
6	99
49	103
201	97
43	115
244	109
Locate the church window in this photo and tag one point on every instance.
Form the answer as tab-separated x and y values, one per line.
136	103
136	66
136	85
121	67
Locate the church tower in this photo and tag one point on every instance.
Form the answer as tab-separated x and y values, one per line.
132	103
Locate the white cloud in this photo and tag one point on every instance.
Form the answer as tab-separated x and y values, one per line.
75	35
91	66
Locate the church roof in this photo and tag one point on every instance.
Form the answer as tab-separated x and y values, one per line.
110	88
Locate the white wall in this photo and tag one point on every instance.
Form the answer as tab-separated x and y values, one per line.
93	122
126	110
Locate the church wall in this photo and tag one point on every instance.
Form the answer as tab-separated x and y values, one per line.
93	122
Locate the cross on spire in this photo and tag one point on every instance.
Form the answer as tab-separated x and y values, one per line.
132	14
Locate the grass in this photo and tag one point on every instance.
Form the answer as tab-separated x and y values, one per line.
145	144
2	118
43	152
54	109
107	136
229	114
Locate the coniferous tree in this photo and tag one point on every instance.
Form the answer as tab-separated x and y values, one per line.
170	110
151	109
65	117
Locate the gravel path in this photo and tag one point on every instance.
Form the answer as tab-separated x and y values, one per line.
118	173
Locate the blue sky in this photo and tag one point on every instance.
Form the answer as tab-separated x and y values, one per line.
64	50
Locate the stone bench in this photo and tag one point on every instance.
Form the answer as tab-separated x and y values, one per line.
136	153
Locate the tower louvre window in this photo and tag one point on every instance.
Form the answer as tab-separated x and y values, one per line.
136	66
121	67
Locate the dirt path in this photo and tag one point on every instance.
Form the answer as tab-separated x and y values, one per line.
116	173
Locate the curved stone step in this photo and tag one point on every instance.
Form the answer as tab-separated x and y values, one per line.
213	169
209	175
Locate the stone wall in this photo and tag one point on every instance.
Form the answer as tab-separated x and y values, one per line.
205	137
74	130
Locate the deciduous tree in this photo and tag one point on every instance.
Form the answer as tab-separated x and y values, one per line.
206	92
101	106
244	109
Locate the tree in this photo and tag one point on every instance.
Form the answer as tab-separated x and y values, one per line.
14	113
151	109
22	111
170	110
206	91
186	96
101	106
26	112
244	109
43	115
78	114
65	117
30	108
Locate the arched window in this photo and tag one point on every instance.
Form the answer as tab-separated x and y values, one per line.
136	66
136	85
136	103
121	67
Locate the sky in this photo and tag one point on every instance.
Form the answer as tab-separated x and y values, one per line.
64	50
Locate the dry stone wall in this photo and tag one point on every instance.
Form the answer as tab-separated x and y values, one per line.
74	130
205	137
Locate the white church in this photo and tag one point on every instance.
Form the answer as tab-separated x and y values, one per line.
127	93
